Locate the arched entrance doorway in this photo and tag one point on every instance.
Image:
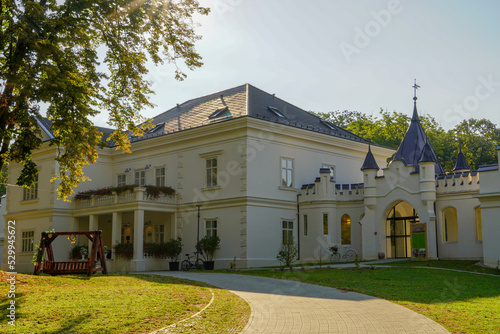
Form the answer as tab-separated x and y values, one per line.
398	230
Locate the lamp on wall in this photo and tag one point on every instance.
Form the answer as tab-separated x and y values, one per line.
147	167
127	170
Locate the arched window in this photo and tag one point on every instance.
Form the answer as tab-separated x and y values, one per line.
479	224
345	228
450	227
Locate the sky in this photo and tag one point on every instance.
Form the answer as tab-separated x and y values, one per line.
327	55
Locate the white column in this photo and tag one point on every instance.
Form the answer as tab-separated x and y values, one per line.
93	220
138	263
116	228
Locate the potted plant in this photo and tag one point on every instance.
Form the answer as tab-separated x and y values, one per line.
124	250
207	247
77	252
173	249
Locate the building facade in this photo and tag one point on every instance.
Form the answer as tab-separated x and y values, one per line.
261	169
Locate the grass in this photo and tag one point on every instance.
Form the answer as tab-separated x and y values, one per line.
119	304
461	302
465	265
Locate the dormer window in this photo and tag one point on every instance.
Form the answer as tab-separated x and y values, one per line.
276	111
328	125
156	128
224	111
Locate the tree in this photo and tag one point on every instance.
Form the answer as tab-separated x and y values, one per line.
477	137
287	254
51	52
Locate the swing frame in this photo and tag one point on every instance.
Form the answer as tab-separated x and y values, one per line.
49	266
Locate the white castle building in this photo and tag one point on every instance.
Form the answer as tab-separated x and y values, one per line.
261	169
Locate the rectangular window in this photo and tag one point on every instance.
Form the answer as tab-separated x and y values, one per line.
31	192
121	180
287	231
28	239
140	178
159	234
287	173
211	226
211	165
479	224
160	177
450	224
306	227
325	223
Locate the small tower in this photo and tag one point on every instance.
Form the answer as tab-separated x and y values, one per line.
370	169
427	164
461	164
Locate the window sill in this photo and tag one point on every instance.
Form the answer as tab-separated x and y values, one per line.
211	188
26	253
30	201
288	188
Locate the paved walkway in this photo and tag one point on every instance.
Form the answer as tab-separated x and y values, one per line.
280	306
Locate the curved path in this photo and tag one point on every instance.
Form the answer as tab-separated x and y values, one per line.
280	306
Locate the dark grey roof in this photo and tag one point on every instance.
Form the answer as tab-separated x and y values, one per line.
46	125
428	154
486	168
461	163
411	148
244	100
370	162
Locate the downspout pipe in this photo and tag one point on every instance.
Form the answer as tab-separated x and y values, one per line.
298	228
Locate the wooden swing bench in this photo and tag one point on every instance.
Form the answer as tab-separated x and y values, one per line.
72	267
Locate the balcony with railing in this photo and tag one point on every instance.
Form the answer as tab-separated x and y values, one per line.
127	194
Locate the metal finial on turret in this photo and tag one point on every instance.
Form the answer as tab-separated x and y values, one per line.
415	87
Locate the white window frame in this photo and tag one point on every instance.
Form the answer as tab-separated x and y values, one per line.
211	177
31	193
287	173
325	214
211	226
159	233
160	174
348	219
478	223
119	182
286	229
28	241
140	177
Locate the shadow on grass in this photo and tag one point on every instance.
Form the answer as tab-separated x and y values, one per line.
71	325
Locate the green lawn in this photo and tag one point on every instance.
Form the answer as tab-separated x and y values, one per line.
119	304
466	265
461	302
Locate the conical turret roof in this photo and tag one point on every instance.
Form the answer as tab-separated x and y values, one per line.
411	148
461	163
370	162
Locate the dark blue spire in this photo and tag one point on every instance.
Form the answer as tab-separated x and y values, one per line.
411	148
461	163
370	162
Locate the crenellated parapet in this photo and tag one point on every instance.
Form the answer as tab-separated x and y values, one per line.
325	188
457	182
